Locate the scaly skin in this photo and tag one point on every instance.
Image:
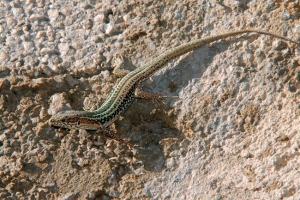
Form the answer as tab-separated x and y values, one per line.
124	93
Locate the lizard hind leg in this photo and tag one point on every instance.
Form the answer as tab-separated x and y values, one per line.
156	97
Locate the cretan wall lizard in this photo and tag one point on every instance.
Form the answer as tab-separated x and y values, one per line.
126	91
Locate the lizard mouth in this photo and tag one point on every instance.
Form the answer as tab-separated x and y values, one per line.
55	126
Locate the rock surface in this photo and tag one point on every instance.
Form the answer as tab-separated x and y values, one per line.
232	133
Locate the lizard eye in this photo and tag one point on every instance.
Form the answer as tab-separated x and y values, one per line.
63	120
78	123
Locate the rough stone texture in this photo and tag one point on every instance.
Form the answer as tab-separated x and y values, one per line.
233	132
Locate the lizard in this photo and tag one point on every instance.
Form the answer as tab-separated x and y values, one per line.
127	90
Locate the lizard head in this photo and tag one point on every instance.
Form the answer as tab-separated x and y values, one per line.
73	120
66	119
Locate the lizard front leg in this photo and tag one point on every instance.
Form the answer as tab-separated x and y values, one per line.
112	135
122	66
